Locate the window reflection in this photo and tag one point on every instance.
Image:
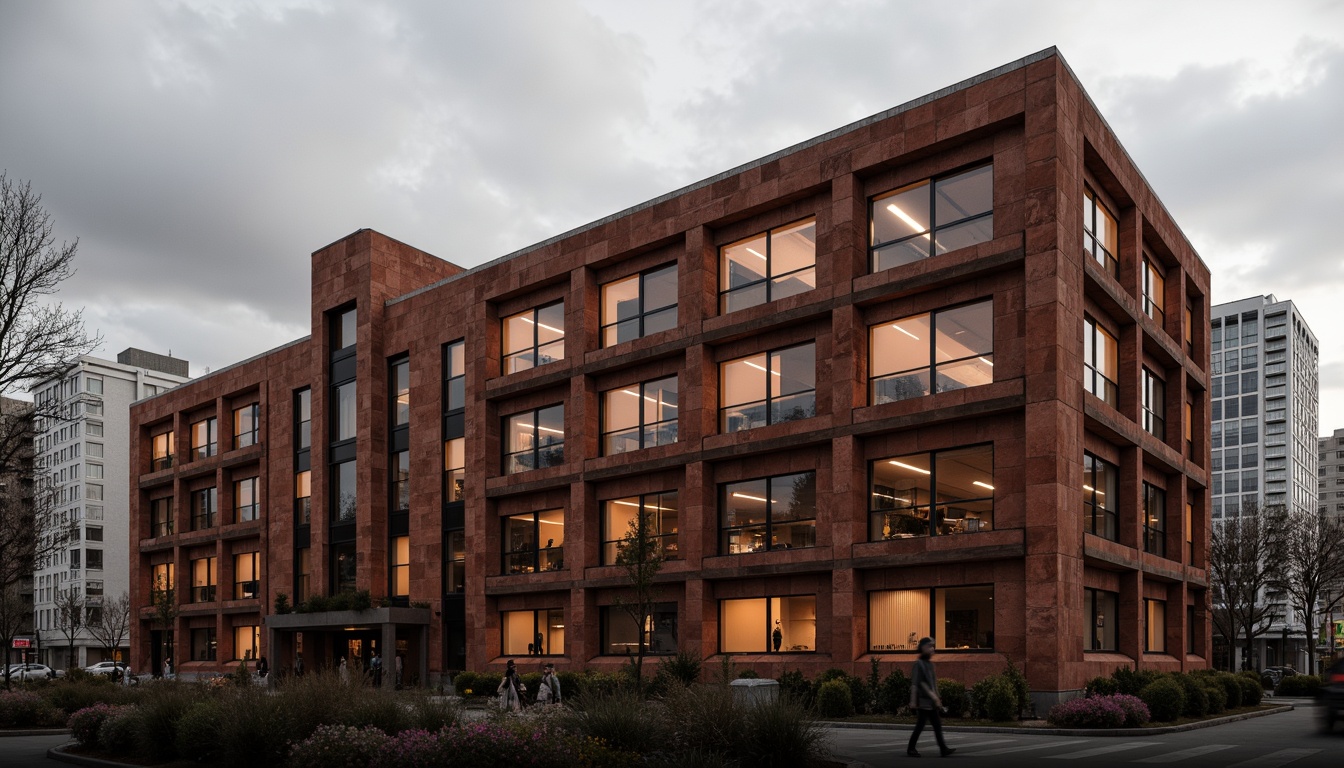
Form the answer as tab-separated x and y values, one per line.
535	337
639	416
935	352
768	388
946	492
639	305
653	515
769	513
769	266
931	218
535	439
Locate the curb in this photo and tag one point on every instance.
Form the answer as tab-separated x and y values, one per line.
1075	731
60	755
35	732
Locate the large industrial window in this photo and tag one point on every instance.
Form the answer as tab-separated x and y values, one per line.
204	439
1101	617
1101	362
768	388
777	512
933	352
1099	232
534	541
1154	520
534	439
639	305
768	625
639	416
535	337
957	618
1101	495
945	492
653	515
533	633
768	266
931	218
620	631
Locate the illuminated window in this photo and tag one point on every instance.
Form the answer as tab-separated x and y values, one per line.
653	515
399	381
246	425
247	642
1155	637
303	497
1101	494
534	439
1154	405
1101	362
161	582
1101	617
1154	291
931	218
1099	232
1154	520
454	469
639	305
777	512
535	337
533	633
957	618
203	580
620	631
524	551
400	585
246	501
769	266
768	388
639	416
957	485
204	439
204	506
162	457
933	352
161	517
768	625
246	576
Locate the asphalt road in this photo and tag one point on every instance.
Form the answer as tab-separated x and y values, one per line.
1291	739
26	751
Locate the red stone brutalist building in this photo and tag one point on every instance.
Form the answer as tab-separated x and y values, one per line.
941	372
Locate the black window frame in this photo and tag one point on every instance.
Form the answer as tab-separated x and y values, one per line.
660	429
540	617
1110	389
770	401
250	437
211	644
211	513
534	351
1108	261
1093	641
554	452
726	532
934	632
240	588
935	226
162	461
874	511
770	619
1150	308
1154	536
208	592
255	506
1092	510
1154	388
668	542
770	278
643	313
933	363
161	524
211	447
516	562
660	609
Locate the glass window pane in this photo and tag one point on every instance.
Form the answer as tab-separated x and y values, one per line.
519	433
621	409
517	628
619	515
660	288
518	333
744	625
966	617
660	400
965	332
554	626
793	247
793	370
1107	231
901	346
741	298
345	491
550	323
620	300
964	195
744	380
662	320
745	503
904	252
966	473
551	425
962	235
346	330
551	527
900	214
796	620
401	391
793	284
743	262
346	408
793	497
898	619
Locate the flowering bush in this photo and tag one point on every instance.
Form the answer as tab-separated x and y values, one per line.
410	749
21	709
84	723
117	734
338	746
1136	712
1092	712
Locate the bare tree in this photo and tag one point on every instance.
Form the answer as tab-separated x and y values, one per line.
1313	572
71	607
1246	555
113	623
640	554
163	597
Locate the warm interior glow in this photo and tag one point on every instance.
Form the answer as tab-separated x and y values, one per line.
903	216
907	466
982	485
542	325
761	368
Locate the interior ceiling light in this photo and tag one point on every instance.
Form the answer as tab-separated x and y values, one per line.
907	466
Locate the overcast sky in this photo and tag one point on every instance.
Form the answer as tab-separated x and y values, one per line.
200	150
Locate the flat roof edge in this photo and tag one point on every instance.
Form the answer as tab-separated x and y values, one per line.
227	368
999	71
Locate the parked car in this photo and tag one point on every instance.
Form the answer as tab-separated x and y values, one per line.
1330	696
26	672
109	668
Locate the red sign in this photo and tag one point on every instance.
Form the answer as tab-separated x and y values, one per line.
22	642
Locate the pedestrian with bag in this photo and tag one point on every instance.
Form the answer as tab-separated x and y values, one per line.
511	690
549	690
925	701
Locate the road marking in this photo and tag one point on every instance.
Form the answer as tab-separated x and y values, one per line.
958	744
1275	759
1106	750
1028	747
1186	754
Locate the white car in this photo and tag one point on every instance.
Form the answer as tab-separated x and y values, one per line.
26	672
110	668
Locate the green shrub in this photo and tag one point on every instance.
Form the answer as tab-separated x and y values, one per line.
684	666
793	684
198	732
1217	695
748	674
1231	687
85	723
256	728
487	683
781	733
161	706
1165	699
24	709
954	697
464	684
1102	686
432	714
858	689
337	745
1299	685
1251	692
893	693
571	685
622	720
1130	681
1018	680
705	718
1196	699
77	691
1000	702
117	734
834	699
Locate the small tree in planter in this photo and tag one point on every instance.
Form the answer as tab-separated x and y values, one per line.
641	556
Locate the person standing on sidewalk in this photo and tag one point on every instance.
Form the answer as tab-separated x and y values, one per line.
925	701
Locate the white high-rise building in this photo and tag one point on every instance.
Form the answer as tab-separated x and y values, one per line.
1264	409
82	439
